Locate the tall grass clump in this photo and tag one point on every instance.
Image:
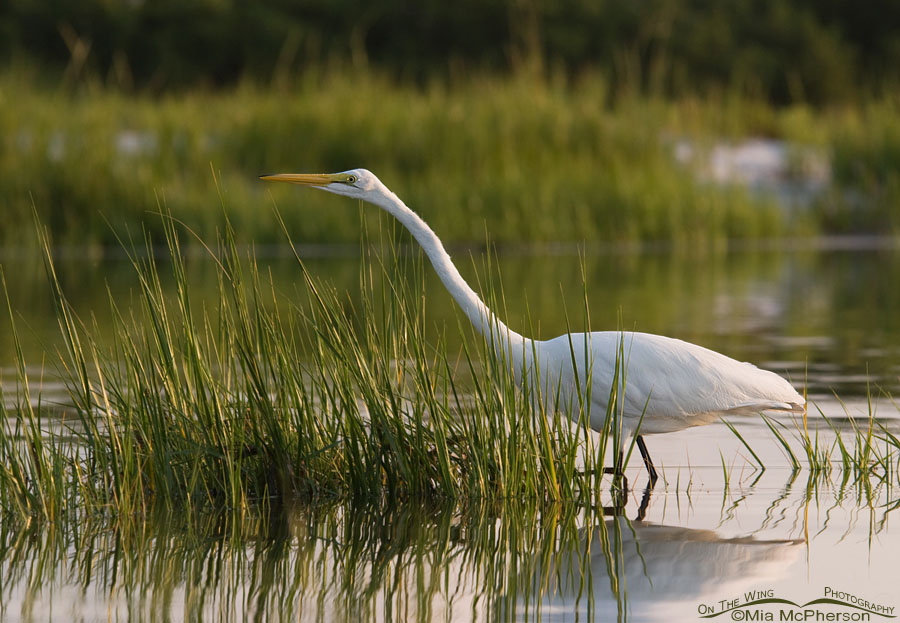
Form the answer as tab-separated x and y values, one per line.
257	401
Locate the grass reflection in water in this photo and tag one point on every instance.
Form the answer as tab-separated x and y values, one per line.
415	562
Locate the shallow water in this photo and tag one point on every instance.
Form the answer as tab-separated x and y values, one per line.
713	529
674	554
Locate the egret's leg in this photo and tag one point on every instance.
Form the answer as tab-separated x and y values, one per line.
648	462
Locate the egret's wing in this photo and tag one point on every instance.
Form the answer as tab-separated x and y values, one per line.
666	379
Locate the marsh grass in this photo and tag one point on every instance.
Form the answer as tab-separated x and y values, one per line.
564	167
532	160
252	402
865	449
270	398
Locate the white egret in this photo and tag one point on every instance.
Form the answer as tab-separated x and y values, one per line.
671	384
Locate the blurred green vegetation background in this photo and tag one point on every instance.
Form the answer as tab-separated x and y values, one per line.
533	121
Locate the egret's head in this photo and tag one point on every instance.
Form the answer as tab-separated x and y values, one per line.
357	183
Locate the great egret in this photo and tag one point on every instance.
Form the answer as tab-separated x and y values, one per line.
671	384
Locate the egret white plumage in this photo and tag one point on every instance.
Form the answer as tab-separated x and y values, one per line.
672	384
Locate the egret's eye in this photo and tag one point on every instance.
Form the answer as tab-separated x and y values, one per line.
351	179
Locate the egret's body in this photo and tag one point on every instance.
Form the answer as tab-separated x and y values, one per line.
672	383
669	384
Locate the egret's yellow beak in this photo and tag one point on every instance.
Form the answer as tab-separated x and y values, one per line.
305	179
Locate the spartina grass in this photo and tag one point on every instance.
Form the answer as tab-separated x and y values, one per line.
863	450
740	437
265	398
776	428
257	400
585	156
33	461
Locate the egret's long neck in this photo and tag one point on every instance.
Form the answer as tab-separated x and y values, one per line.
504	339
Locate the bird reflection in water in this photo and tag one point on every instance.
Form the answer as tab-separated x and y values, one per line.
620	568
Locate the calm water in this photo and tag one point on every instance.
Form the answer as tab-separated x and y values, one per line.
824	314
695	545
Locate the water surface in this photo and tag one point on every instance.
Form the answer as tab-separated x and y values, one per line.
691	546
715	528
